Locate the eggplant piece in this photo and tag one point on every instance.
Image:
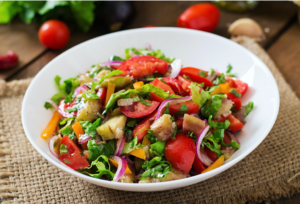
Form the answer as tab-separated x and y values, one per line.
127	178
113	128
192	124
119	81
114	14
102	73
225	108
89	110
163	128
172	175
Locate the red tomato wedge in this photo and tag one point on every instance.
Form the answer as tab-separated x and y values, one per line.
194	75
139	110
158	83
63	106
185	83
144	124
180	152
236	101
235	124
72	158
198	166
241	86
175	85
142	66
175	107
102	94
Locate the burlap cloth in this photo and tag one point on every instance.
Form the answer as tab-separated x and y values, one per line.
269	172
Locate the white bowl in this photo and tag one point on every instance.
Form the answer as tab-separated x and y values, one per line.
195	48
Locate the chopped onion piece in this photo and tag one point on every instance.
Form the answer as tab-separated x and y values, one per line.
195	115
232	136
125	102
120	144
80	90
114	63
176	67
53	104
148	46
164	104
83	138
122	164
51	145
203	158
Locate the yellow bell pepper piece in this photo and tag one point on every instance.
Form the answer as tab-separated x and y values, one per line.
113	162
138	84
140	153
50	128
222	88
110	91
146	141
215	165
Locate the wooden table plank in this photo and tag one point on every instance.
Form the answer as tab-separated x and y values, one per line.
285	52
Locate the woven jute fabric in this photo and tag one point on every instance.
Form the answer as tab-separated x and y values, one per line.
269	172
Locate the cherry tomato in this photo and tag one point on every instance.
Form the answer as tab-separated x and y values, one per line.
235	124
62	107
241	86
236	100
203	17
144	124
180	152
102	94
54	34
72	158
185	83
139	110
175	107
174	84
142	66
198	166
194	75
162	85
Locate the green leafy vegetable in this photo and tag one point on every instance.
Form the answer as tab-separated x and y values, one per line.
234	92
150	136
48	105
212	107
211	72
63	149
219	79
116	58
215	139
219	125
106	149
70	110
132	145
69	98
167	110
183	109
90	95
145	102
67	129
197	97
235	145
202	73
113	73
156	167
95	72
154	53
229	68
67	162
157	149
248	108
90	128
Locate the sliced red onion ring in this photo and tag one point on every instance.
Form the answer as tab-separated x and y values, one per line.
176	67
122	164
120	144
83	138
240	115
53	104
212	77
148	46
114	63
51	145
80	90
203	158
195	115
232	136
164	104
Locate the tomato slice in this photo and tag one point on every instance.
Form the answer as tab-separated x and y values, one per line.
102	94
236	101
158	83
235	124
180	152
63	106
241	86
212	155
185	83
138	110
144	124
72	158
194	75
175	85
198	166
175	107
142	66
179	123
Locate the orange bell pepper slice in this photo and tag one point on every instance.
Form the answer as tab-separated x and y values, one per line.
79	131
146	141
215	165
109	92
113	162
138	84
140	153
50	128
222	88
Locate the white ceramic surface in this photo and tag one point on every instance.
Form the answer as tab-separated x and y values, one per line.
195	48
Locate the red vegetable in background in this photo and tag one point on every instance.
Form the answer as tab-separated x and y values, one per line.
194	75
9	60
138	110
54	34
144	124
203	17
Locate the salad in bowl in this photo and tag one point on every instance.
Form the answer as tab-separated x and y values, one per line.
145	118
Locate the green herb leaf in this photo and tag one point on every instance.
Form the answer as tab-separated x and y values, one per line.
183	109
116	58
229	68
48	105
211	72
157	149
212	107
156	167
63	149
199	98
145	102
234	92
167	111
113	73
67	162
218	125
202	73
248	108
90	95
70	110
150	136
90	128
106	149
69	98
81	153
235	145
219	79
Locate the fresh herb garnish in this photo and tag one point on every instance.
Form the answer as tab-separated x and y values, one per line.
248	108
63	149
234	92
218	125
212	106
202	73
219	79
183	109
67	162
48	105
156	167
145	102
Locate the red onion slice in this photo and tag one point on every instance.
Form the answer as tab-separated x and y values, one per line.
122	164
203	158
83	138
148	46
51	145
176	67
53	104
120	144
80	90
195	115
232	136
164	104
114	63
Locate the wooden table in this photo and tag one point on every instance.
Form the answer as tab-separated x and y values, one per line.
282	43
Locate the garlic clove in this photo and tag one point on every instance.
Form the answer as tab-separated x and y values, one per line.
246	27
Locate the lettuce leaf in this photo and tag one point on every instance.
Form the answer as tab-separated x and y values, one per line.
156	167
212	107
197	97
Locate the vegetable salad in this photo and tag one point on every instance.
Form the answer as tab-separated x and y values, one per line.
145	118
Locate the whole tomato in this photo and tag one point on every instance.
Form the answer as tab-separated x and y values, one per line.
54	34
203	17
